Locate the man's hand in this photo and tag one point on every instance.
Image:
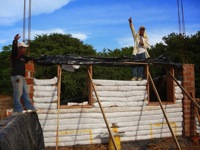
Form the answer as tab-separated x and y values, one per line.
130	20
17	37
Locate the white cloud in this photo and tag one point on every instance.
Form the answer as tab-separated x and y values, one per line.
47	6
81	36
40	32
3	41
12	10
125	42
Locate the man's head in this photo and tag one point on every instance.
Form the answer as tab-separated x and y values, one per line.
22	47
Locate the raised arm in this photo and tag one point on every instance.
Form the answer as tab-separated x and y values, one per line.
14	45
132	27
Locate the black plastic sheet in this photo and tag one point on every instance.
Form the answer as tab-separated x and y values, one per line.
105	61
21	132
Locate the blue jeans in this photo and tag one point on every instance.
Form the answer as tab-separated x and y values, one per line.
20	91
138	71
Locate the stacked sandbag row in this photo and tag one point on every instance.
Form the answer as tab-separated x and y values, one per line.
124	104
120	93
146	121
45	93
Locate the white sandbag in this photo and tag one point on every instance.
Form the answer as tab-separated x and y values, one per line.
119	93
148	136
46	105
121	104
47	127
45	99
178	96
178	101
121	99
118	83
44	93
45	88
120	88
45	81
178	90
85	115
75	142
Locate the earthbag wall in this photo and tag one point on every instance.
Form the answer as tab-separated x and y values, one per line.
21	132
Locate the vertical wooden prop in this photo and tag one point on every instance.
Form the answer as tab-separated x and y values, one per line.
102	111
90	86
160	103
59	72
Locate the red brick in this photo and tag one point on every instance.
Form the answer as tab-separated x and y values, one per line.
186	83
30	67
31	95
26	74
186	74
32	74
191	79
29	81
186	103
187	113
30	88
191	88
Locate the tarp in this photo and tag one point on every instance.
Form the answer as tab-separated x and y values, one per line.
106	61
21	132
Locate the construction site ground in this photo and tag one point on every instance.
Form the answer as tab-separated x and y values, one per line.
185	143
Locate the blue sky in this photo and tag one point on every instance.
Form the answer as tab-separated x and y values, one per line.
100	23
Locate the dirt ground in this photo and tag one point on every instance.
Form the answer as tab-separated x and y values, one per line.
154	144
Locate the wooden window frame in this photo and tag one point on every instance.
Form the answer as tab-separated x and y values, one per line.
74	106
170	87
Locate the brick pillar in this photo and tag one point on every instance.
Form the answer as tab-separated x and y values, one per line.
30	68
188	83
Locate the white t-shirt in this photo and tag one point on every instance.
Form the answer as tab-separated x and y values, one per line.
140	48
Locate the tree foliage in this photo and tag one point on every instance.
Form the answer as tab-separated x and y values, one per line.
61	44
179	48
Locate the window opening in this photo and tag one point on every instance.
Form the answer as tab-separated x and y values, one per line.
163	83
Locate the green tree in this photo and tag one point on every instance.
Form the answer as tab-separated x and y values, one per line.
62	44
5	84
180	49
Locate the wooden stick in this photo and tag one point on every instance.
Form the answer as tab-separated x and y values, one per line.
137	63
59	72
185	92
102	111
159	100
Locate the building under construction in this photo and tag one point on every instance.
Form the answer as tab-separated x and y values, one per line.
115	108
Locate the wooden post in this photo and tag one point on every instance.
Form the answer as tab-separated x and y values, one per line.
147	77
170	85
59	72
90	86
